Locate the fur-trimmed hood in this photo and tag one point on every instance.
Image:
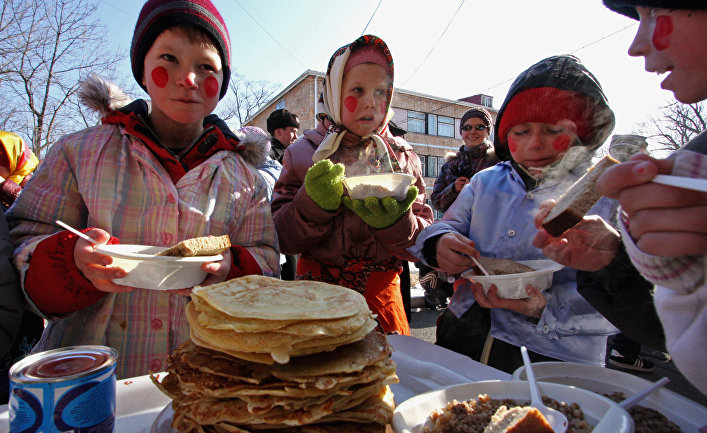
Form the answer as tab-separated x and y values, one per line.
109	100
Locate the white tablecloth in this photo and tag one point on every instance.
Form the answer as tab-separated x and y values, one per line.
421	367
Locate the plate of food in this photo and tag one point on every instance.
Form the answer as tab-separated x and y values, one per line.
378	185
471	407
679	411
511	277
160	268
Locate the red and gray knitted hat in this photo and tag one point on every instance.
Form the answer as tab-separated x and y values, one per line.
159	15
628	7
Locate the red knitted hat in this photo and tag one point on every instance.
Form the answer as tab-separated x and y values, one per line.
369	53
549	105
159	15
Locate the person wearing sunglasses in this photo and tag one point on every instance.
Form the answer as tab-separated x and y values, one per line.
473	156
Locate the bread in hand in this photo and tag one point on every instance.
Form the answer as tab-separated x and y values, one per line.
202	246
571	206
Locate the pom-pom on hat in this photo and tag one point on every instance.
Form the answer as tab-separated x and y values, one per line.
628	7
480	113
159	15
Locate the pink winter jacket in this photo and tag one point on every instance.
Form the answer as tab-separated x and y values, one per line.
334	237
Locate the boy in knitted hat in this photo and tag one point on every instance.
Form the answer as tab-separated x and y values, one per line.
554	117
361	244
473	156
151	175
663	228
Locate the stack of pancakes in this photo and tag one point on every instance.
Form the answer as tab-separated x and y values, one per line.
280	356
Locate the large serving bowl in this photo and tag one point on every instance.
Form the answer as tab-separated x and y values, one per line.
687	414
145	270
379	185
411	415
512	286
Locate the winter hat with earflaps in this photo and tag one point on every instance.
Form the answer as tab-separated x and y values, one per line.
366	49
628	7
159	15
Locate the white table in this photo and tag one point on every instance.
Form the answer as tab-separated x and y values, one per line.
421	367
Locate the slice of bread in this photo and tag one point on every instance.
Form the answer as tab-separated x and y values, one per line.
500	266
518	420
571	206
203	246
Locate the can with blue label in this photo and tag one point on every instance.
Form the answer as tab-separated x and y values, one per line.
71	389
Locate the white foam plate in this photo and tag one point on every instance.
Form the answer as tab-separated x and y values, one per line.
411	415
687	414
512	286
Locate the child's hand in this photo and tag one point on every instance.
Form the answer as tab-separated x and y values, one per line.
324	184
532	306
218	270
454	253
588	246
662	220
383	212
94	265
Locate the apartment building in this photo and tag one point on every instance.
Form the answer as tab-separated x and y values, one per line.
432	123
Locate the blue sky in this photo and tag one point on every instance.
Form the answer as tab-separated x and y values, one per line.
484	48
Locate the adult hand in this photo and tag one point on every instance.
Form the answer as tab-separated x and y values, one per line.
218	272
662	220
454	253
532	306
588	246
460	182
94	265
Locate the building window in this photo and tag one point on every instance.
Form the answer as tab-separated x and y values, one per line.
280	104
423	164
445	126
416	122
432	124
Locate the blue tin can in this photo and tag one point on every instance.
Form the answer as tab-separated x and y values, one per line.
71	389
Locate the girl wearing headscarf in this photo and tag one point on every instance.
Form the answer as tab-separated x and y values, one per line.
359	244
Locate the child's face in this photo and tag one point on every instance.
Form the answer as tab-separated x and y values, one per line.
471	135
674	41
364	98
182	77
537	145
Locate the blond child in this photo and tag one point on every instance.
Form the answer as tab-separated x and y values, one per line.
353	243
151	175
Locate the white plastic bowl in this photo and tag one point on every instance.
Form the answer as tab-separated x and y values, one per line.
512	286
687	414
145	270
379	185
411	415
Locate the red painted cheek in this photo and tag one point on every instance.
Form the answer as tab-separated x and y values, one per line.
512	145
160	76
211	86
661	33
350	103
561	143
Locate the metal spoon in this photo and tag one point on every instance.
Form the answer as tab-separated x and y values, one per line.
556	419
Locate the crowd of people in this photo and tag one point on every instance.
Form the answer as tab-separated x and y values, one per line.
160	172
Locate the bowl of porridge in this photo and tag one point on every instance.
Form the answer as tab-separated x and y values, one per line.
469	407
379	185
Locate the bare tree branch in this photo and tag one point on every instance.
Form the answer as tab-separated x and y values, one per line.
675	126
245	98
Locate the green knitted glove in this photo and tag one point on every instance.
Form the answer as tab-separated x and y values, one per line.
381	212
324	184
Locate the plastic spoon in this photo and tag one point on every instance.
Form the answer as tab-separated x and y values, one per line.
697	184
480	267
77	233
634	399
556	419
